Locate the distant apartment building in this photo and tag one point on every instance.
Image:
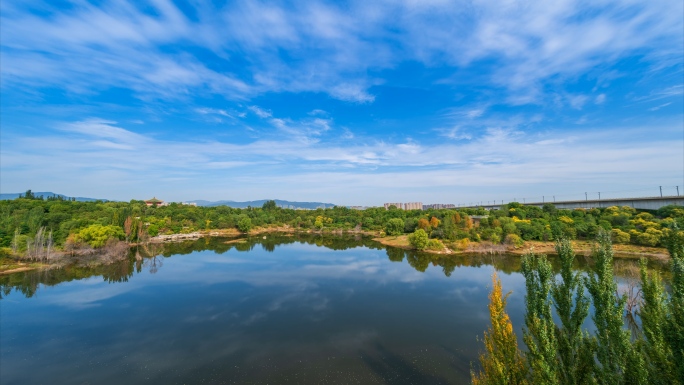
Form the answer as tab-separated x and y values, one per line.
405	206
413	206
397	205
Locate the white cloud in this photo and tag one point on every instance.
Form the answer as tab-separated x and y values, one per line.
656	108
577	101
260	112
212	111
108	161
455	133
318	112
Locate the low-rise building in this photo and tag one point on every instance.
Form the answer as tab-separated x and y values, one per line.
154	202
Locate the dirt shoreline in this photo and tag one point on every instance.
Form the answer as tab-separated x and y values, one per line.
539	247
401	241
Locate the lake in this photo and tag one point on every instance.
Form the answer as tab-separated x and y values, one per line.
268	310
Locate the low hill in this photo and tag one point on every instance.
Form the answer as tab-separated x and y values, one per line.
46	194
259	203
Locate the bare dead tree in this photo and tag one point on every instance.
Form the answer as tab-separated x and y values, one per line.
38	244
128	227
49	244
15	241
28	247
630	287
142	234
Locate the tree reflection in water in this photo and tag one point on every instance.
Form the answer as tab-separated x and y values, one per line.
151	257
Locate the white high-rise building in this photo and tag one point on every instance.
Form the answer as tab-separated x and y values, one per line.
405	206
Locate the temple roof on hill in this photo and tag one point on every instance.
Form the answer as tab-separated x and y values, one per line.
154	200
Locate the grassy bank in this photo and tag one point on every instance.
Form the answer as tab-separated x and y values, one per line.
580	247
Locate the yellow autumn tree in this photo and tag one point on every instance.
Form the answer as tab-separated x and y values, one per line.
502	363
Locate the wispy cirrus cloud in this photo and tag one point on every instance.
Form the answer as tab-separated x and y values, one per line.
322	47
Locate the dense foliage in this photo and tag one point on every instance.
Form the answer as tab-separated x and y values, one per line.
559	351
59	221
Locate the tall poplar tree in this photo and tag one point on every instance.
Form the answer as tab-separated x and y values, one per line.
619	362
655	319
539	335
575	355
674	329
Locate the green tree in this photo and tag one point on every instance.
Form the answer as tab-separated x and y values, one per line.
269	205
674	331
618	361
244	223
419	239
539	335
394	226
655	322
98	235
575	355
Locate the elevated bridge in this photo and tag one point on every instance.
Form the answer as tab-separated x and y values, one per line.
643	203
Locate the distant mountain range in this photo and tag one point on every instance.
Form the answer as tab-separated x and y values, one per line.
47	194
242	205
259	203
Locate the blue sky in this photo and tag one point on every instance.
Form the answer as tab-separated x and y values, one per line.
354	103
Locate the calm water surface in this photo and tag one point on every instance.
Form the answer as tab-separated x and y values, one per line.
268	311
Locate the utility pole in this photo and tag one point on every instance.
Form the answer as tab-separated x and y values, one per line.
677	190
542	199
661	191
554	199
586	197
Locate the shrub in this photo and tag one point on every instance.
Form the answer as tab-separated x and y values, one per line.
153	230
514	240
651	237
435	244
98	235
620	236
463	244
419	239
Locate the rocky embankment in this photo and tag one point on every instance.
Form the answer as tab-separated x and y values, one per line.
176	237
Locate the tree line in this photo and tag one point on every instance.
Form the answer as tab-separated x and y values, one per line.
34	226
